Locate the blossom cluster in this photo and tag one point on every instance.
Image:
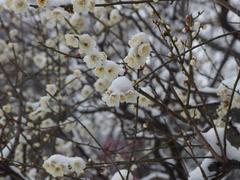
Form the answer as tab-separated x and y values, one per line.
139	51
109	82
17	5
64	76
225	91
121	88
58	165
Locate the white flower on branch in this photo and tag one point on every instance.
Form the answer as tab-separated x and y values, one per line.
19	6
101	85
44	102
95	59
83	6
58	14
224	91
40	60
86	91
86	44
115	16
59	165
7	108
78	165
110	71
51	89
139	51
143	100
121	90
138	39
78	22
72	40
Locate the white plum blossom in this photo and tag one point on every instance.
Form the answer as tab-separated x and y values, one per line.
51	89
77	73
121	90
143	50
44	102
13	33
59	165
56	170
139	51
86	44
78	165
143	100
67	65
7	108
138	39
101	84
95	59
100	72
112	99
109	71
72	40
83	6
134	61
224	91
130	96
180	45
86	91
115	16
112	70
78	22
50	43
19	5
40	60
57	14
9	4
